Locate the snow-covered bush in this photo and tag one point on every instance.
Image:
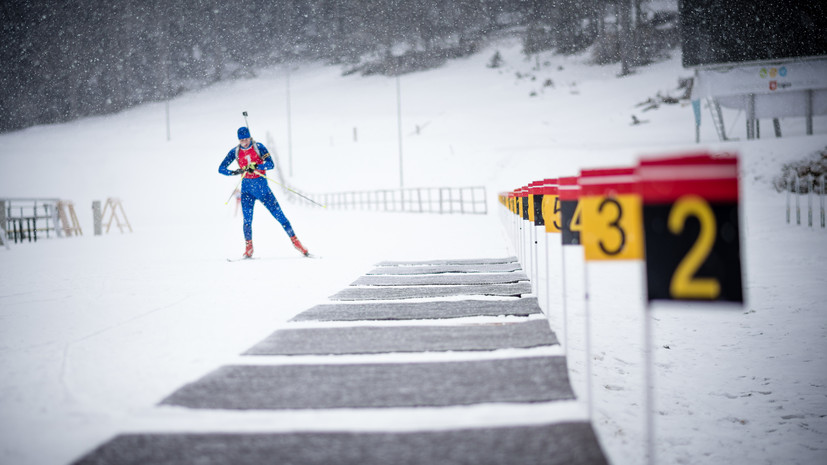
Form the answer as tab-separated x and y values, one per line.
815	165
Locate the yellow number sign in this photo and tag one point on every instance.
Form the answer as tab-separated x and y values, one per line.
691	223
551	206
611	215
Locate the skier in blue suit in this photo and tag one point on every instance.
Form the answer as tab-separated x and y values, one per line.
253	160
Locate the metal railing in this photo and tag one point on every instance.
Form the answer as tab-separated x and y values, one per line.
23	219
441	200
809	186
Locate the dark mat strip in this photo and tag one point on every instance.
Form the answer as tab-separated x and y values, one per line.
437	384
459	261
396	293
383	339
419	310
571	443
441	279
406	270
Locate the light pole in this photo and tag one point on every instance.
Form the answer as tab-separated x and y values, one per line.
289	127
399	125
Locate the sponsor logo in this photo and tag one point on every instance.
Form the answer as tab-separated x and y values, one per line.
775	85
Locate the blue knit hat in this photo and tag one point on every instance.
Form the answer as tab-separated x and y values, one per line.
243	133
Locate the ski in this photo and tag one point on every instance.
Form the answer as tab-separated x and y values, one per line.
309	255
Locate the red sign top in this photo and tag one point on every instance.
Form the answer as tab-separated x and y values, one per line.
550	186
606	181
568	188
535	188
664	180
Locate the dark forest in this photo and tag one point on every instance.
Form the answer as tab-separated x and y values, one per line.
67	59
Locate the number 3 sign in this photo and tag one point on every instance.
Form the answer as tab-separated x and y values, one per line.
611	214
690	224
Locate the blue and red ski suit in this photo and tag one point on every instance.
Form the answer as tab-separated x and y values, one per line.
254	186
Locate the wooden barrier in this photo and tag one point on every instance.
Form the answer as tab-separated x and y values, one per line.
113	206
68	219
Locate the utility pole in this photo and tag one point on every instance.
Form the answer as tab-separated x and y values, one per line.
289	127
399	125
625	12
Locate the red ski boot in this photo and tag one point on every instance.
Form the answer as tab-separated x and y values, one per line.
298	245
248	249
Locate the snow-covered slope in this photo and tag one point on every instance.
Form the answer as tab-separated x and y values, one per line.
94	331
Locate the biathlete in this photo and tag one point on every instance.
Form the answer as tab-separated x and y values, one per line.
253	160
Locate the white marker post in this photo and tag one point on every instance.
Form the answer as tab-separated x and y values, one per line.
692	240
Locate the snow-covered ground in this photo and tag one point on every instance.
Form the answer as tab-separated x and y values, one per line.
95	331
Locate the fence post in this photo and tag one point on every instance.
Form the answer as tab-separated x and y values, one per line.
3	234
789	189
440	200
473	200
810	186
46	217
97	217
821	201
797	183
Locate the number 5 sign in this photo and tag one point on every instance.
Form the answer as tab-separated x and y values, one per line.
611	210
690	222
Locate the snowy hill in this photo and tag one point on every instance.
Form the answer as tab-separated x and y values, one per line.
96	330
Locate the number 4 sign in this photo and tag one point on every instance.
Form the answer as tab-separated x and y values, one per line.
570	225
690	223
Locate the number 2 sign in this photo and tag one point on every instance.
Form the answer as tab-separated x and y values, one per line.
691	228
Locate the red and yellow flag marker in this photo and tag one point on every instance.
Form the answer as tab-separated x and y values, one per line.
524	203
570	217
691	225
551	205
535	199
611	214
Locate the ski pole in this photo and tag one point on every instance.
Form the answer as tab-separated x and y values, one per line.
261	173
236	188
